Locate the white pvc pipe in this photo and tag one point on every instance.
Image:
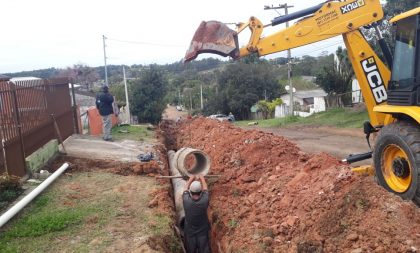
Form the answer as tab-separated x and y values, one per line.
28	198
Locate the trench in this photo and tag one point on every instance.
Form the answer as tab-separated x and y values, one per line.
195	161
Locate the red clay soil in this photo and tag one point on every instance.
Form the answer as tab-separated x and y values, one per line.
272	197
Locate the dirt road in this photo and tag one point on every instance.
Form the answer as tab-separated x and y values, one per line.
172	113
334	141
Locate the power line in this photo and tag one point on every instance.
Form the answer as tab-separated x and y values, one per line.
318	49
321	48
145	43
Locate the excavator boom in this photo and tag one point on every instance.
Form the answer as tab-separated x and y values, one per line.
317	23
392	99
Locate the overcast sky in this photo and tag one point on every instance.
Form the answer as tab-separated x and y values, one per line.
56	33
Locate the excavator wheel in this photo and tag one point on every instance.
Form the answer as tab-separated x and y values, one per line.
397	159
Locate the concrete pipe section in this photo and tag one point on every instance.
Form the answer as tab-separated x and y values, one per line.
178	167
178	184
201	162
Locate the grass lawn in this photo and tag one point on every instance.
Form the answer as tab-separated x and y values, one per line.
132	132
88	212
340	117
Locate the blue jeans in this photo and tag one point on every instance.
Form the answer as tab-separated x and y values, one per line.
106	127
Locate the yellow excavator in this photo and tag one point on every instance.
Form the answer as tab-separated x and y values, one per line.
391	92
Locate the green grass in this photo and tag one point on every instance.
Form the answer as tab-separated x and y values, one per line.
132	132
160	224
340	117
79	212
41	224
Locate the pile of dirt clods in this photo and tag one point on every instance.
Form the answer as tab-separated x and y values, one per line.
272	197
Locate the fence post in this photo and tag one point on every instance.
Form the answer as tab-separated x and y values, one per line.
76	120
19	124
3	147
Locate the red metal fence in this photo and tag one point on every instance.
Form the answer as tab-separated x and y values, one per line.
27	112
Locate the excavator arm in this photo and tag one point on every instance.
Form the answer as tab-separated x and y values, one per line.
317	23
328	20
396	154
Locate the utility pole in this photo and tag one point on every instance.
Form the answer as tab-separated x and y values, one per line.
127	107
106	73
289	54
190	103
201	96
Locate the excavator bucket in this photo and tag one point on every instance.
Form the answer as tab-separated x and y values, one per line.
213	37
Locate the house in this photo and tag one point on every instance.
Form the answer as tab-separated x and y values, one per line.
356	93
305	103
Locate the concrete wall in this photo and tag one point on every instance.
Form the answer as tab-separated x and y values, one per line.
42	156
281	111
319	104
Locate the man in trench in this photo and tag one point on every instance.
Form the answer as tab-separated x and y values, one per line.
196	201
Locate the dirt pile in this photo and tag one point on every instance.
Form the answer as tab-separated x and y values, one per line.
151	168
272	197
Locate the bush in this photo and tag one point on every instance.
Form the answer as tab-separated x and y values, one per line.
10	189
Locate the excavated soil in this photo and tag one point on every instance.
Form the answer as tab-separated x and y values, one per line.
272	197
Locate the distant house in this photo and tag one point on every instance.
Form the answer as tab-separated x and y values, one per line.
356	93
25	78
309	78
305	103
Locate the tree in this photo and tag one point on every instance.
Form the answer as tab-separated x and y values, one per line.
306	66
391	9
395	7
267	108
335	77
264	107
148	92
240	85
118	91
81	74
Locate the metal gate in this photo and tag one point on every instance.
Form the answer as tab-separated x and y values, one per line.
27	109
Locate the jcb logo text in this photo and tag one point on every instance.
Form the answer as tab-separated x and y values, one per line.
375	80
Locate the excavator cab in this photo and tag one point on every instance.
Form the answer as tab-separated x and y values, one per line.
404	86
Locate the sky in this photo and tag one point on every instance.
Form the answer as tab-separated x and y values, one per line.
59	33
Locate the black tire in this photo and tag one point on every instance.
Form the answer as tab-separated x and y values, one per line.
405	135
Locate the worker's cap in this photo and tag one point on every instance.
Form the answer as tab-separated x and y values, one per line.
105	88
195	187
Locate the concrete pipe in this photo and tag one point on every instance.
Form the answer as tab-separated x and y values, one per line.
178	184
201	165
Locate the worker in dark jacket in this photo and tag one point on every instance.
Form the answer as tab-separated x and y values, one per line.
197	226
104	102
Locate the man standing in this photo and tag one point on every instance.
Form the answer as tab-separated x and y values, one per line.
197	226
104	102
